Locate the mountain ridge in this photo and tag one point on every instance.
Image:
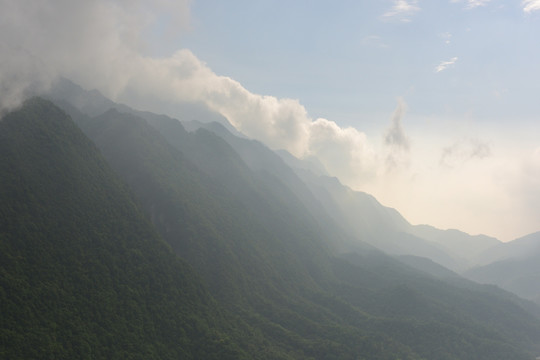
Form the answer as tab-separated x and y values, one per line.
278	306
83	274
514	266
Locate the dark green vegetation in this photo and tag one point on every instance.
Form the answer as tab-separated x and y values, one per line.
252	234
83	275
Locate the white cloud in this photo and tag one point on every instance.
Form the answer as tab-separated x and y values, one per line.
471	4
531	5
375	41
402	10
445	64
280	123
95	42
99	44
345	152
395	139
446	37
464	150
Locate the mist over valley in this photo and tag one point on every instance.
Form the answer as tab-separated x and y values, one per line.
153	208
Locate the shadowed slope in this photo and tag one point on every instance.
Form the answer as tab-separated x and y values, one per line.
82	273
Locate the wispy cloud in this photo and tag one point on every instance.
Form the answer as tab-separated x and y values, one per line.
471	4
99	44
402	10
445	64
463	151
374	41
446	37
531	5
395	138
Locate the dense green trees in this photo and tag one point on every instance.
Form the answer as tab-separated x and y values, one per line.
265	257
84	272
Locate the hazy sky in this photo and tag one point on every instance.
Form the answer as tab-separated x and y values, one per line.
431	106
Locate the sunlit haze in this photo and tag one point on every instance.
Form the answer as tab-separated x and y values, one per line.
432	107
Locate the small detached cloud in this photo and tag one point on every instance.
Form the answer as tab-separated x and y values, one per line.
395	139
402	11
531	5
445	64
374	41
471	4
446	37
463	151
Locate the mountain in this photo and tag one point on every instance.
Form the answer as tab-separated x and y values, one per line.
516	268
359	219
385	228
366	219
93	103
268	259
360	213
363	219
457	243
83	274
257	263
265	164
516	249
428	266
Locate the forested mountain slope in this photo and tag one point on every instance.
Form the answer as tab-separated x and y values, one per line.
256	265
359	215
363	217
267	262
83	274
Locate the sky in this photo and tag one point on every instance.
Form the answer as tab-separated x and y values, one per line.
431	106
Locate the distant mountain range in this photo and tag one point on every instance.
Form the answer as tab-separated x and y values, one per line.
514	266
136	238
360	216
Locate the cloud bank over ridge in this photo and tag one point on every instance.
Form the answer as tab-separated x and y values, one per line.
101	44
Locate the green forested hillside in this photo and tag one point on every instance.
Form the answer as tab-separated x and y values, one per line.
251	262
266	261
83	275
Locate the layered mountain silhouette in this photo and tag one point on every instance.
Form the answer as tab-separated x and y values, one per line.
358	214
514	266
83	273
218	247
